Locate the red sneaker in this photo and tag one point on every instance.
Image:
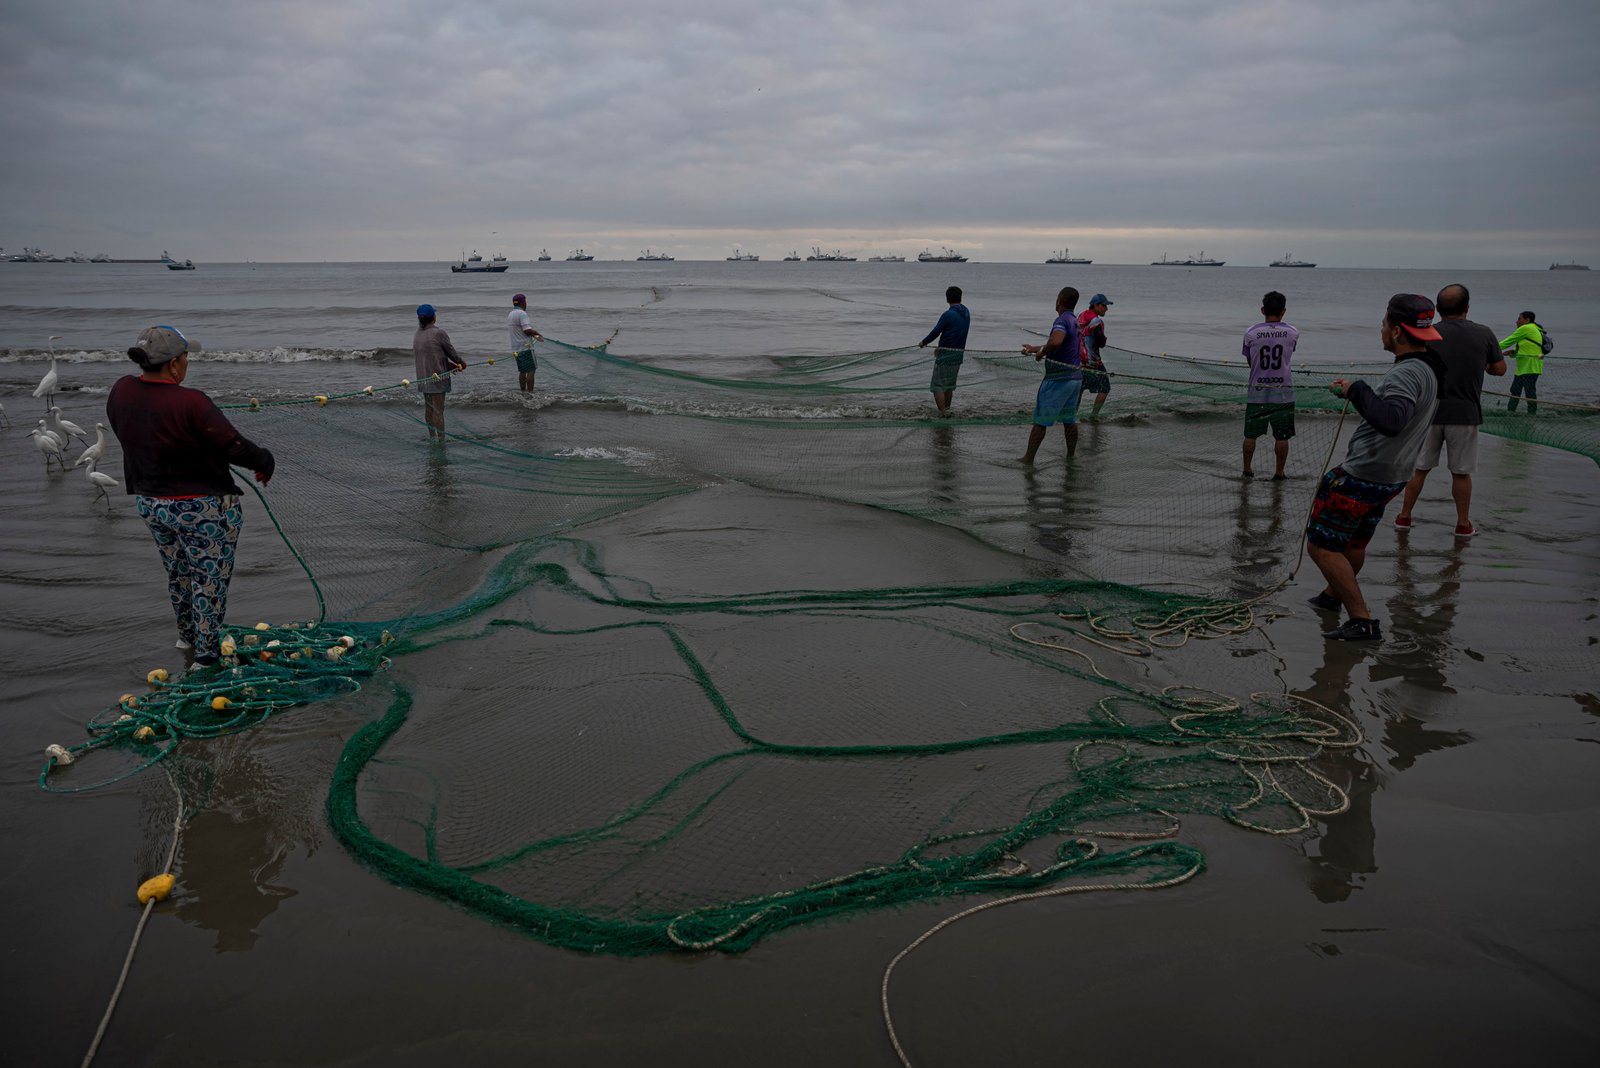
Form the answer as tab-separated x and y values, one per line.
1465	530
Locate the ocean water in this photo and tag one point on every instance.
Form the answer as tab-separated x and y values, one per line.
327	327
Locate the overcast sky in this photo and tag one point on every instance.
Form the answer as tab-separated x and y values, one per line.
1396	133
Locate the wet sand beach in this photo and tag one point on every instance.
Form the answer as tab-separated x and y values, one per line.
1448	914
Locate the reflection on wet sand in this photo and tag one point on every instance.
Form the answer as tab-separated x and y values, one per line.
1258	547
1346	851
942	458
1064	504
251	818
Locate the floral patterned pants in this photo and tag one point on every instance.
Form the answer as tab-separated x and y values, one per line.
196	537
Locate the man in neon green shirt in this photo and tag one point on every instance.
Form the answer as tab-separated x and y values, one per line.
1527	343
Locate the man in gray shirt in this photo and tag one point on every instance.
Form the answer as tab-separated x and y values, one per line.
1395	417
1468	349
436	361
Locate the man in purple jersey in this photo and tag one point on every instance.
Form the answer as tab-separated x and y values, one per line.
1269	399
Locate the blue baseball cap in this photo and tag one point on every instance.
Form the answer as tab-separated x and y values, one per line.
1100	298
425	311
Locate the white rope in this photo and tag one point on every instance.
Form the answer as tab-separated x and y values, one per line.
888	1017
138	932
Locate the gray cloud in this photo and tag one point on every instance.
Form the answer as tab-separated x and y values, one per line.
1415	131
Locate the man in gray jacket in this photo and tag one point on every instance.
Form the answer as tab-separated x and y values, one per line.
1395	416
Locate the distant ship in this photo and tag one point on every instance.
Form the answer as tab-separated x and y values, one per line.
652	257
579	255
886	259
474	264
498	258
1287	262
744	257
792	257
544	256
1062	257
819	256
174	265
1197	261
1572	266
944	255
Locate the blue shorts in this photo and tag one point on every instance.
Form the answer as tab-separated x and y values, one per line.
526	361
1057	401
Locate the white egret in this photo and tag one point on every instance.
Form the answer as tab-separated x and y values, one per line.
47	444
65	430
44	429
104	484
47	385
92	454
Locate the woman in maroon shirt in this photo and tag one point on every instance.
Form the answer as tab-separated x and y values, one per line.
176	448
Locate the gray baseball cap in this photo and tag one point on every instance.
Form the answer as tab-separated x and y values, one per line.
161	344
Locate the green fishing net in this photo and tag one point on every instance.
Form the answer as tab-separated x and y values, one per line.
681	660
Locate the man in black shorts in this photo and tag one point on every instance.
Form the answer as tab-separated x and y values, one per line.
1269	400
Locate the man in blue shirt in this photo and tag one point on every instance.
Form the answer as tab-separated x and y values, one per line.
951	330
1057	401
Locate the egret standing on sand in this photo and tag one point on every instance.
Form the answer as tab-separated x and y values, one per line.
63	429
47	385
47	444
92	454
176	448
104	484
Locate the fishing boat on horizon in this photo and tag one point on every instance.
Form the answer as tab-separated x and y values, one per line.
544	256
944	255
474	264
886	259
792	257
1194	261
743	257
1289	261
1063	257
174	265
579	256
652	257
1572	265
819	256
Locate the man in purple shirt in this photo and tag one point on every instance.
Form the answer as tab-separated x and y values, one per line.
1062	386
1269	399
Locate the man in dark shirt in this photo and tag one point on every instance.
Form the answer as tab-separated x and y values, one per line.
1468	349
951	330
